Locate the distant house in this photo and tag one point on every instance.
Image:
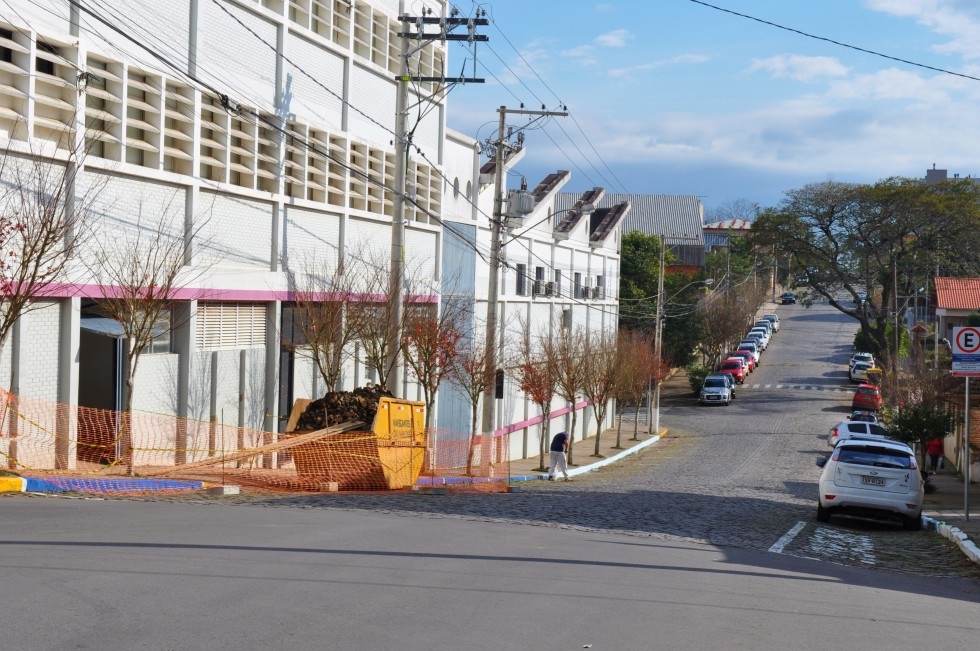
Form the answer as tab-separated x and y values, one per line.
676	218
956	299
717	235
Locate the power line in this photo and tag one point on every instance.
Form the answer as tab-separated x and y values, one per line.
834	42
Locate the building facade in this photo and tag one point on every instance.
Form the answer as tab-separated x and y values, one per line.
262	133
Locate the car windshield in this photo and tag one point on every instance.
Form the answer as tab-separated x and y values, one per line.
867	391
714	382
875	456
731	365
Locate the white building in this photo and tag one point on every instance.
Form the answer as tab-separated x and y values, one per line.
269	125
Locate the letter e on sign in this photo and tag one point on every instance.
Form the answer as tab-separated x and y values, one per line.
966	341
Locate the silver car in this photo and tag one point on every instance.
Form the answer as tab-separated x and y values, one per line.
715	391
871	479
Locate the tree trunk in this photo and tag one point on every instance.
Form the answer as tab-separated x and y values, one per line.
619	431
636	421
598	432
545	431
571	437
472	450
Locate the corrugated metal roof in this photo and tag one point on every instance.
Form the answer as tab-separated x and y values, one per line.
729	225
677	217
958	293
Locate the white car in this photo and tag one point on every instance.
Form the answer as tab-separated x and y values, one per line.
867	358
848	428
859	372
761	334
773	319
750	345
764	323
715	391
873	479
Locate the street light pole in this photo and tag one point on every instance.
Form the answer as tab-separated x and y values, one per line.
496	248
658	336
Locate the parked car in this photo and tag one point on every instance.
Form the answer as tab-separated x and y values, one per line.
716	390
751	346
735	367
859	372
877	479
763	336
867	396
767	324
848	428
865	416
758	337
788	298
867	358
862	298
773	319
748	356
728	379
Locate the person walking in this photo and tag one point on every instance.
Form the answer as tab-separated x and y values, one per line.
559	446
934	448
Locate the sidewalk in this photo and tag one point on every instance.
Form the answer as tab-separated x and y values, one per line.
944	512
674	391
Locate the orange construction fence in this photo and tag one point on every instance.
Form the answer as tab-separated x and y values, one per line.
83	449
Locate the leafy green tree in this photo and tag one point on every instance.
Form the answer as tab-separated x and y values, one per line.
884	239
916	423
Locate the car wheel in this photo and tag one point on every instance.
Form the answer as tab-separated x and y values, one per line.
823	515
912	524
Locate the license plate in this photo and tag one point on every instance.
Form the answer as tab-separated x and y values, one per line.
874	481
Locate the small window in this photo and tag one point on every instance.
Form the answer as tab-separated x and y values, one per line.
161	342
577	286
522	280
45	66
557	282
600	287
456	187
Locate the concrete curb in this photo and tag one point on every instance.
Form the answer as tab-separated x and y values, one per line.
967	546
581	470
13	484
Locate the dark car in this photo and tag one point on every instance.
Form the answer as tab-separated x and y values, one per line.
788	298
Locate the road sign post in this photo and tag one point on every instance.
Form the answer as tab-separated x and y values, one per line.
966	364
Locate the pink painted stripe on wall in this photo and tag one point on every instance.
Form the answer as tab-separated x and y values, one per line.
66	290
539	419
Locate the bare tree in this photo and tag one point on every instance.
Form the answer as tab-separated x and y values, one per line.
536	373
140	270
472	373
600	376
42	218
372	317
568	363
634	369
322	329
430	345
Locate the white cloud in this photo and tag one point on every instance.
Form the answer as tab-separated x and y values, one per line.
799	68
959	20
605	8
615	38
584	53
630	71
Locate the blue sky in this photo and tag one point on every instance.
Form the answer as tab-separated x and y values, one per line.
680	98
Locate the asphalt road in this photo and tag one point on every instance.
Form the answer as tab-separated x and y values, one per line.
706	540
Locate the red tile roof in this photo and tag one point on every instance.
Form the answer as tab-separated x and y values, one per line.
958	293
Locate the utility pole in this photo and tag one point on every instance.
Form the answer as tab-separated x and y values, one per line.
496	225
403	137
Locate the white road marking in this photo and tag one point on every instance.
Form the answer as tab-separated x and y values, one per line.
787	538
842	544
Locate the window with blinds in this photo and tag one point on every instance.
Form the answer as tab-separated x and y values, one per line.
230	325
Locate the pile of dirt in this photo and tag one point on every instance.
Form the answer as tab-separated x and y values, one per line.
339	407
